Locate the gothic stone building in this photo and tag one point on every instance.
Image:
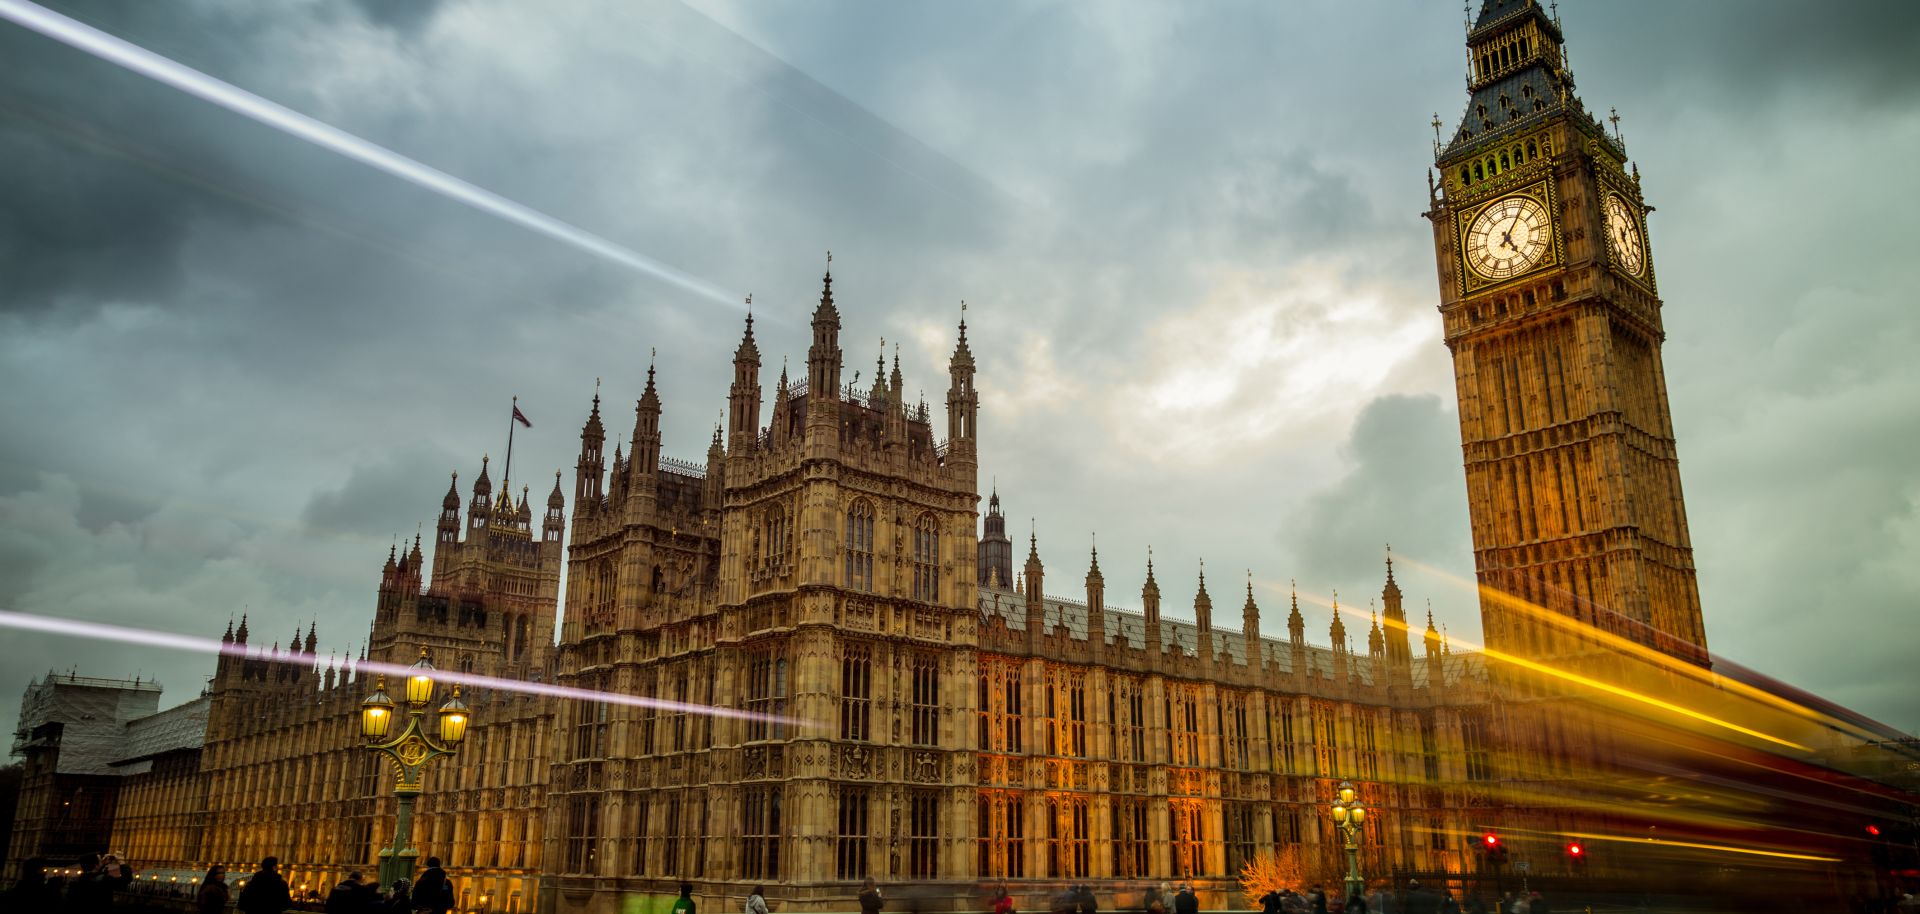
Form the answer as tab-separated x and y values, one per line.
917	717
901	703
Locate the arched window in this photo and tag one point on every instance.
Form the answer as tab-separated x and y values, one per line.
926	560
860	546
1517	160
1505	163
1477	173
1465	176
778	531
1532	151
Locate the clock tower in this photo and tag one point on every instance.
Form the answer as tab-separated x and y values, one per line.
1552	314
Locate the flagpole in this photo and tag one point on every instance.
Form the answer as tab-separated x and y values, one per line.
507	477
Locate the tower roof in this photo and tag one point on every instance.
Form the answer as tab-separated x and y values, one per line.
452	501
555	499
482	486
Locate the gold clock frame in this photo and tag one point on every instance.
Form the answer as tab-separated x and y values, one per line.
1639	210
1541	192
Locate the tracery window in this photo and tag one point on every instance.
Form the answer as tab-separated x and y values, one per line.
1241	819
1002	823
1283	738
1184	726
1067	843
1127	708
760	833
860	546
583	832
1130	836
1001	722
850	848
590	723
925	706
678	717
1234	736
856	692
1429	751
776	532
766	694
1369	756
923	834
1473	734
1325	748
926	560
1189	848
1066	713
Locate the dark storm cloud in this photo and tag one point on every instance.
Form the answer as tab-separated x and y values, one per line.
379	497
1188	235
404	16
1405	488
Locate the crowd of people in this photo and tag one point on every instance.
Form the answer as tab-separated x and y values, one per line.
91	890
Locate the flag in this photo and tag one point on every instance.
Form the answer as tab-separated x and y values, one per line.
521	417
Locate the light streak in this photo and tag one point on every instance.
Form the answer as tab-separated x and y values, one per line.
125	54
193	643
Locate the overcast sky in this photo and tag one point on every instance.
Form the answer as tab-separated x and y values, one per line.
1200	290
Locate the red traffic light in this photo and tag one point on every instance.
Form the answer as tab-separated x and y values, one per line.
1575	850
1490	839
1873	830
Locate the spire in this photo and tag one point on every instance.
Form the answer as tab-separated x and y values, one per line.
554	498
963	401
1338	630
228	637
240	634
743	398
1296	623
452	501
1202	603
1150	605
1376	643
1093	570
482	485
312	640
1432	638
414	557
823	357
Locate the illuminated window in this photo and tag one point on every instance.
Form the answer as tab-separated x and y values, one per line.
1130	856
860	547
1000	712
1003	834
1189	843
1473	733
1240	822
1067	843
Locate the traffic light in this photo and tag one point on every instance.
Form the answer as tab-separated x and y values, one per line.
1873	829
1576	853
1491	840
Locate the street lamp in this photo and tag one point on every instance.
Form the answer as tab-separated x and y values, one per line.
1348	814
410	751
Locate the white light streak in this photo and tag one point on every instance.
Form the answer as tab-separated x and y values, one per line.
132	57
101	631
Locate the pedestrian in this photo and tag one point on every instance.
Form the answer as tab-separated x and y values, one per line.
1356	903
1155	901
1002	902
1087	903
434	891
1447	903
265	892
1317	900
348	897
213	895
757	902
1186	902
1536	904
400	900
870	900
684	904
1271	902
1419	899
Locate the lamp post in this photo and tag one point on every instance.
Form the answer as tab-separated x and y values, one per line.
1348	814
410	752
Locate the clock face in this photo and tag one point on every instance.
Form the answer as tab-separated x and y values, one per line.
1508	238
1623	236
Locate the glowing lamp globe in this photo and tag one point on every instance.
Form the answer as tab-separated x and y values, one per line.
453	719
376	713
420	680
